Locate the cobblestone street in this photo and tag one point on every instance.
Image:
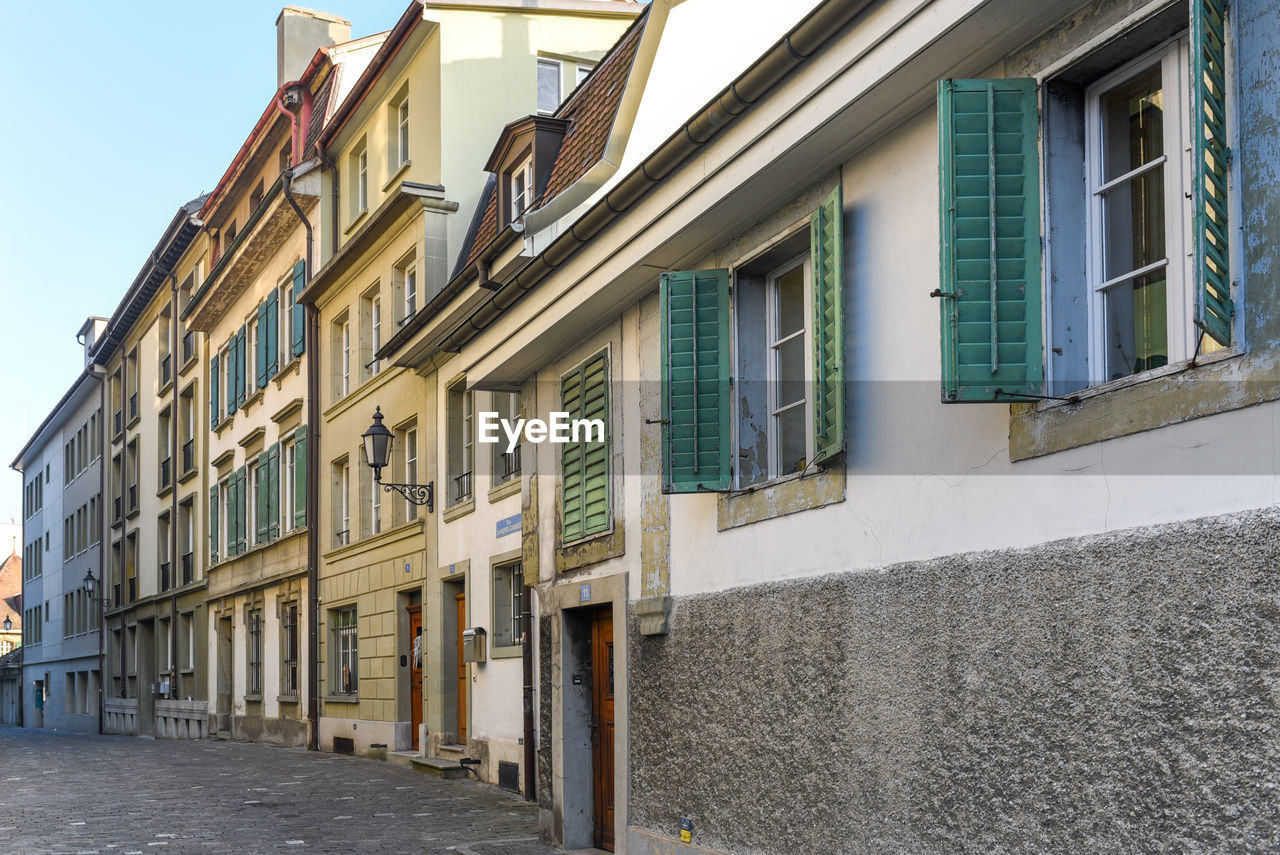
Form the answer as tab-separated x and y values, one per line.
66	793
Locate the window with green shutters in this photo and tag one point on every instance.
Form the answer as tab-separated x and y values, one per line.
1120	214
586	489
229	376
214	533
271	334
214	404
753	384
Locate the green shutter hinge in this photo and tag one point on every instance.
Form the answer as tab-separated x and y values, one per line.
938	292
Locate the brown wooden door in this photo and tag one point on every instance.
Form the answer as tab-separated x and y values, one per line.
602	725
462	670
415	671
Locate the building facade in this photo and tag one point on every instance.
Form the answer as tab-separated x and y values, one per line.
403	586
154	582
62	545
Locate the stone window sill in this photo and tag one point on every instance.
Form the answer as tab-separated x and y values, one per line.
342	699
781	497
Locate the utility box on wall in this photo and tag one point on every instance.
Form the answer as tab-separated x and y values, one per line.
473	644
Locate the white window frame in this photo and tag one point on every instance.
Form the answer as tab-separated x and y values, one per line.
402	131
772	343
547	62
346	642
375	507
410	468
521	201
288	473
344	504
362	181
345	376
410	289
251	514
375	334
1174	58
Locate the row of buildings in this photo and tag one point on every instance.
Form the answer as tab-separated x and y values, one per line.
934	347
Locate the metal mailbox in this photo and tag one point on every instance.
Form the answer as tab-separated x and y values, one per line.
473	644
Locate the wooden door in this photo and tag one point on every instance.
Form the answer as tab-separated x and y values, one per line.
415	671
602	726
461	599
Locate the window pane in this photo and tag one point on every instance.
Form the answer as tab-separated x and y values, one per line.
1137	326
1133	124
548	85
791	303
791	440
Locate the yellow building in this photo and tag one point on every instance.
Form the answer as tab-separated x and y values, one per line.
259	219
401	583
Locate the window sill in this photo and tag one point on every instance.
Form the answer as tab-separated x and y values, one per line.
186	366
460	510
514	651
133	512
382	538
396	176
341	699
293	366
591	549
224	423
356	221
132	422
253	699
164	491
782	496
288	699
164	388
1168	395
510	487
187	476
255	398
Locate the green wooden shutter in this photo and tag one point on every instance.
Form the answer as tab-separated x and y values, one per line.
229	365
233	514
826	248
241	365
261	505
697	438
990	227
585	489
273	492
260	348
300	477
299	311
213	525
213	392
242	509
1210	154
273	334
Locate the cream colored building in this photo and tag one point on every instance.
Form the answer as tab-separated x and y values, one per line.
256	498
401	583
155	426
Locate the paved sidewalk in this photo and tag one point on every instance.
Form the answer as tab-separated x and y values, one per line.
68	793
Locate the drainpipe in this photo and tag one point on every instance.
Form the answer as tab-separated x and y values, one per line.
526	655
102	564
173	468
313	469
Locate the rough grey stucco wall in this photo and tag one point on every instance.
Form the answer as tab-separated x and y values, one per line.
1110	694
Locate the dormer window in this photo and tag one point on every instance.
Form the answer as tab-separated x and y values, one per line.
521	188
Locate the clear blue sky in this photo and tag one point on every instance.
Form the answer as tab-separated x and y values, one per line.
112	115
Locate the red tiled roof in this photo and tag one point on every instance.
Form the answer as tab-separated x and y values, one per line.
591	110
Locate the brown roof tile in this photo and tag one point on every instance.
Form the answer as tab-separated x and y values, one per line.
591	110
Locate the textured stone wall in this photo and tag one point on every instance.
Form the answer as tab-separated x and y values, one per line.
1110	694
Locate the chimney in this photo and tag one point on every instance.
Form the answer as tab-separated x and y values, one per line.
88	336
299	34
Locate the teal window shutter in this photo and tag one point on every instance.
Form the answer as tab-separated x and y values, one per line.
1214	308
242	508
990	227
585	489
299	311
240	365
273	334
300	477
697	440
213	392
213	525
262	505
273	492
230	366
233	513
826	248
260	348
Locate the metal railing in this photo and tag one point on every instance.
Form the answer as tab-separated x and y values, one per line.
133	497
133	406
119	421
117	509
188	456
511	463
188	567
165	474
115	593
462	486
188	346
133	588
166	368
343	537
164	576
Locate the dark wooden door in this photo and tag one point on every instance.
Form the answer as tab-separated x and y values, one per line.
602	725
462	670
415	671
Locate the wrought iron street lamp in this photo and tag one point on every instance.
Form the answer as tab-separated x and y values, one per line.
8	623
377	453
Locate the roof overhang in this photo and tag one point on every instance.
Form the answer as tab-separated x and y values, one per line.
403	198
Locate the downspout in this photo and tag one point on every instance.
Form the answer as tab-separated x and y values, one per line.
313	473
173	469
102	564
526	656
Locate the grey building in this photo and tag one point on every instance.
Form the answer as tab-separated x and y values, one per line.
62	514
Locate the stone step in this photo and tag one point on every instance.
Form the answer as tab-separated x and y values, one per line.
402	758
438	766
453	752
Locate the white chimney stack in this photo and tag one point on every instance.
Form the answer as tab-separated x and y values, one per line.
299	34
